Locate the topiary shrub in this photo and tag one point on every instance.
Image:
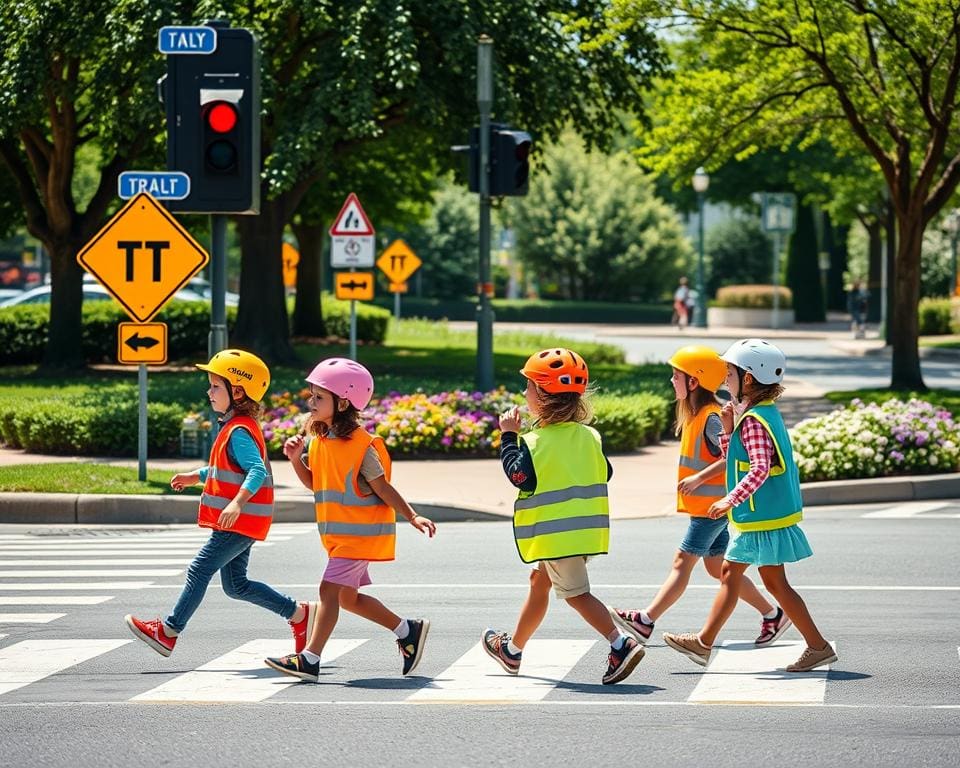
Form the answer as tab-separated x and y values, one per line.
752	297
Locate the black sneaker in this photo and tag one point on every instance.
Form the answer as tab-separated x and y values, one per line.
411	647
621	663
495	644
295	665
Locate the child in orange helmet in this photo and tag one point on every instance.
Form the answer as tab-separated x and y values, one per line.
561	515
698	372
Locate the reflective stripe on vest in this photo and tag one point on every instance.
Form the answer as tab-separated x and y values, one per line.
224	480
568	513
351	525
695	456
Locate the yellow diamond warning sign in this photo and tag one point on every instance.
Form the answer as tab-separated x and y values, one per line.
142	343
143	256
398	261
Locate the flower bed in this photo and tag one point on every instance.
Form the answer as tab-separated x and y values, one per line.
895	438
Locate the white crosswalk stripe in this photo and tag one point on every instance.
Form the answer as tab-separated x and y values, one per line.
928	510
31	660
67	574
29	618
54	599
239	675
99	561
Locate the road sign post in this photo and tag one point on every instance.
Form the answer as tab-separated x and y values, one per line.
398	262
778	217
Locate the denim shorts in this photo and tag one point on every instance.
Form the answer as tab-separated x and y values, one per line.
706	537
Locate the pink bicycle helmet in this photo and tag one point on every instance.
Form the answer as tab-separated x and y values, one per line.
346	379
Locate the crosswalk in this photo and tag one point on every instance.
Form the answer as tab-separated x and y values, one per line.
921	510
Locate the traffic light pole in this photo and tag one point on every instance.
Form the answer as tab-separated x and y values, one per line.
485	285
217	339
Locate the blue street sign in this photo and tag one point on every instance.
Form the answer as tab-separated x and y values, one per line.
162	185
187	40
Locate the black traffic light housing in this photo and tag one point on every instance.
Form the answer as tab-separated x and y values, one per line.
509	161
213	124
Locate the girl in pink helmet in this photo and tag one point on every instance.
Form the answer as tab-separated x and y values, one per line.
348	471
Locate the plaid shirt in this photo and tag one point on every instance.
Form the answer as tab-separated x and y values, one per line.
759	447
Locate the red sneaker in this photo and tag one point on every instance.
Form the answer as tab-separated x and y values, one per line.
151	632
303	628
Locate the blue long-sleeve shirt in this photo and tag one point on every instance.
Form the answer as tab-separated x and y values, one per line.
244	453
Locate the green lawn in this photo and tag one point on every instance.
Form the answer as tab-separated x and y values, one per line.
945	398
83	477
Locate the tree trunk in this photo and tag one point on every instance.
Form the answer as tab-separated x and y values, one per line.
308	310
902	320
263	326
836	295
875	267
64	350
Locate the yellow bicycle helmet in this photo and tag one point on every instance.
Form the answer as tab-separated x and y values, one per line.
702	362
240	369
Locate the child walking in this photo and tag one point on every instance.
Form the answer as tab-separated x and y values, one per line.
698	372
237	503
561	515
348	470
764	504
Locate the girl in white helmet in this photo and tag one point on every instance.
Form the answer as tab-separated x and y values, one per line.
348	470
764	504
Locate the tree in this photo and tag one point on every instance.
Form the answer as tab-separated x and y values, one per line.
875	77
803	271
593	224
738	252
75	76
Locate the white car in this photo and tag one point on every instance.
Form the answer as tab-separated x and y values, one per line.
91	292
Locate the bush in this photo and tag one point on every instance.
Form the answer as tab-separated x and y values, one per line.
532	311
937	317
752	297
372	322
630	421
738	252
895	438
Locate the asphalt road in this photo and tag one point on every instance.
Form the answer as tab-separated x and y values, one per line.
76	689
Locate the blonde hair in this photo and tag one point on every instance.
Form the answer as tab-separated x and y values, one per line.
562	407
689	406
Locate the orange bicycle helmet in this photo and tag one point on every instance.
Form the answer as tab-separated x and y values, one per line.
701	362
557	370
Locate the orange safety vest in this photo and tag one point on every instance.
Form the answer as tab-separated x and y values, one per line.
224	479
695	456
352	525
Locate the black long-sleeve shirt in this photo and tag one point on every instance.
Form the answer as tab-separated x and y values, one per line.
518	463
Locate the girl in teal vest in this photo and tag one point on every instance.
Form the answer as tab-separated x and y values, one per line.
763	503
561	515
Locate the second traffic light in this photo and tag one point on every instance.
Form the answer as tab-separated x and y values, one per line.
213	124
509	161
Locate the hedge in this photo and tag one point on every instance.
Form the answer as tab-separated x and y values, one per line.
531	311
752	297
938	316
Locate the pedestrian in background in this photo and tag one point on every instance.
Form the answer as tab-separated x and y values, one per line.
348	470
764	504
857	303
698	372
237	503
680	310
561	515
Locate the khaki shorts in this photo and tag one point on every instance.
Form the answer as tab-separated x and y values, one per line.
568	576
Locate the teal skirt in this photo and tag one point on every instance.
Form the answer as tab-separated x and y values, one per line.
784	545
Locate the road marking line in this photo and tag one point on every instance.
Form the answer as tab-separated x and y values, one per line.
72	574
239	675
636	587
55	599
475	677
29	618
102	561
92	586
81	552
911	509
741	673
31	660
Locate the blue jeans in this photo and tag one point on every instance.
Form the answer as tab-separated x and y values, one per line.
228	553
706	537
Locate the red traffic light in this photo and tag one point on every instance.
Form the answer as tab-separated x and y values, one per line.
221	116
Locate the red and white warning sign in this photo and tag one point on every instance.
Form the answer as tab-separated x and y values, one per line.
352	219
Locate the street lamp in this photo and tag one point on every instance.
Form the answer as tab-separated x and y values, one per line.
952	225
701	181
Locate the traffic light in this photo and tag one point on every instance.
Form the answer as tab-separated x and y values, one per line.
213	124
509	161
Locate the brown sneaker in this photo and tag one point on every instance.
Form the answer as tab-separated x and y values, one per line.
811	658
689	645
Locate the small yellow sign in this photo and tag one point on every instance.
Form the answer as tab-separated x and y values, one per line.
291	257
142	343
143	256
357	286
398	287
398	261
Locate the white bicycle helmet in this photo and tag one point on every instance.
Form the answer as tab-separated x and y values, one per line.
765	362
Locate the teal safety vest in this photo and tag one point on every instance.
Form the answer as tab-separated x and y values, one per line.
777	503
568	513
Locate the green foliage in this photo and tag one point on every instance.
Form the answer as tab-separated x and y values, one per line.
372	322
936	317
85	477
803	271
533	310
628	422
752	297
592	228
738	252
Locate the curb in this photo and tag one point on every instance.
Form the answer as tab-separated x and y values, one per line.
88	509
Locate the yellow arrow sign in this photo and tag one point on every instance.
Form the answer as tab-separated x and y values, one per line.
143	256
357	286
398	261
142	343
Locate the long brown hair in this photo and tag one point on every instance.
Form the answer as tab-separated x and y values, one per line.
758	392
563	407
689	406
344	421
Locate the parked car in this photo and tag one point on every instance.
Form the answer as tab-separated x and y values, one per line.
91	292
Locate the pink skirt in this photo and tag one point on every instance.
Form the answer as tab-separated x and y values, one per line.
347	573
